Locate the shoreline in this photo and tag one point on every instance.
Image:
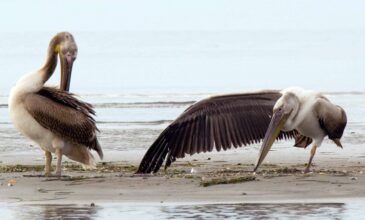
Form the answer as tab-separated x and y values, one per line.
115	182
338	177
344	201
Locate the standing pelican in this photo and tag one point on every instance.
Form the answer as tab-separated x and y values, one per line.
53	118
227	121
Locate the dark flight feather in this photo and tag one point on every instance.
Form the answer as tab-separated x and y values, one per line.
219	122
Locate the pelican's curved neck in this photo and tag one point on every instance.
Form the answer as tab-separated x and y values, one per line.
294	102
51	61
295	111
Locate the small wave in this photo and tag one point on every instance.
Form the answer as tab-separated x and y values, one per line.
136	104
345	93
158	122
143	104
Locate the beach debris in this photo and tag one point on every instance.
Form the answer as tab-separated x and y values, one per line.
20	168
278	171
189	164
193	171
11	182
104	167
189	176
92	204
225	180
63	193
41	190
353	178
175	172
73	178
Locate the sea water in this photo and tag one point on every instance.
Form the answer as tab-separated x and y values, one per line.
132	121
338	211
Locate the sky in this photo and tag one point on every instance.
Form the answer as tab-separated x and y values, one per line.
119	15
318	44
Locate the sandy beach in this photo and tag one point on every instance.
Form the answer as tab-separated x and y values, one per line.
337	176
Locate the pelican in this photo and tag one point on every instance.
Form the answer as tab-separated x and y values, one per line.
53	118
308	112
234	120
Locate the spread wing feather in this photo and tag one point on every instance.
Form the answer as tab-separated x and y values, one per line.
220	122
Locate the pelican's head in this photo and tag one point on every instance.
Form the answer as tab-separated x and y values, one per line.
285	108
65	45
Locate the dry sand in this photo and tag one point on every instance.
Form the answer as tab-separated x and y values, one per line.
336	177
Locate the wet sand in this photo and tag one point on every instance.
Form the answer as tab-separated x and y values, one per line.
338	176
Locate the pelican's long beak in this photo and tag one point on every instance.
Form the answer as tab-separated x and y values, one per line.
276	124
66	71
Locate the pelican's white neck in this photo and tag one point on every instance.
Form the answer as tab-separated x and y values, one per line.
29	83
301	101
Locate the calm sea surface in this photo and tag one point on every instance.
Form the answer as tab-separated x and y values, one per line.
133	121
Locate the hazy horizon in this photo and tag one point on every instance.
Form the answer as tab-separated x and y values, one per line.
212	46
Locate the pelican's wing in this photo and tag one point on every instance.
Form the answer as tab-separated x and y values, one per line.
64	115
332	118
220	122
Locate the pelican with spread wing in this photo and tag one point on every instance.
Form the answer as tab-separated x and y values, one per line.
53	118
223	122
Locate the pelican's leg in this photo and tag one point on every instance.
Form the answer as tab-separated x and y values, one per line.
59	162
313	152
47	168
